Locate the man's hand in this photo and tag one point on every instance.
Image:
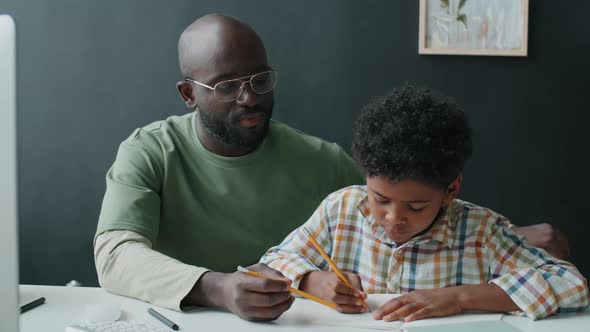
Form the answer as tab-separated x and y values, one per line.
420	304
328	286
255	298
251	298
547	237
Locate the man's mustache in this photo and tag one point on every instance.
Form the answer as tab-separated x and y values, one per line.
249	111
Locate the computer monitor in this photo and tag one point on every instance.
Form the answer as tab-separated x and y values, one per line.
9	313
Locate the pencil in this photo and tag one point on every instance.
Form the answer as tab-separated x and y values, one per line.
333	265
163	319
292	290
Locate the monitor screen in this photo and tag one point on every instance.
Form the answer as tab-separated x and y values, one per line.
9	313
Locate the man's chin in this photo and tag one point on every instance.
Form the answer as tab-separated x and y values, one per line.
253	136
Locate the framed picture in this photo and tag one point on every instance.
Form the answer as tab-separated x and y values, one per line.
474	27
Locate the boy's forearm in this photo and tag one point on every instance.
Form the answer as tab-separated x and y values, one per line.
486	297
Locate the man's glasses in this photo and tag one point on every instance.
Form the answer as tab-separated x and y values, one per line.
230	90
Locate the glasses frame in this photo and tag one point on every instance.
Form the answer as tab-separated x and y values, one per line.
243	80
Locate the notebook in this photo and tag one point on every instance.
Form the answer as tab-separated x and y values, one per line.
315	314
481	326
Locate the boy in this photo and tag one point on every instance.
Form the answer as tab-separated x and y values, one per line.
405	232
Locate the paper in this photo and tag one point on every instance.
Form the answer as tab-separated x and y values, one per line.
481	326
309	313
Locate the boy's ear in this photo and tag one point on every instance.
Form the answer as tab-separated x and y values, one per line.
453	189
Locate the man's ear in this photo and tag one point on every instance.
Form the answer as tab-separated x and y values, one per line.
453	189
185	89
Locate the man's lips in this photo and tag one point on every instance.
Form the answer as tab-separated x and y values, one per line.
252	119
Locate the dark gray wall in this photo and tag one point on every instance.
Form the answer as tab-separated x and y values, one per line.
92	71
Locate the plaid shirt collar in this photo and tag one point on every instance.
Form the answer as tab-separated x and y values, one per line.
442	230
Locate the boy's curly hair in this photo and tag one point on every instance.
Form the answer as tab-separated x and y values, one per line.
413	133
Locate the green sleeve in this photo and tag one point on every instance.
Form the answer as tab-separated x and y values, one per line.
132	200
348	173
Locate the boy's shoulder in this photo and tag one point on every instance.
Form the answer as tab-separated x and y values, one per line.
351	200
468	218
346	207
350	194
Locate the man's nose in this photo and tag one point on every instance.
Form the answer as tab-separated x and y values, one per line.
247	97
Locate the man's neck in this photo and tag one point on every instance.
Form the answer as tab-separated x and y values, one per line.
214	145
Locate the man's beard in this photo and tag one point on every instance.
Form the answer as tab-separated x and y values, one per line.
227	130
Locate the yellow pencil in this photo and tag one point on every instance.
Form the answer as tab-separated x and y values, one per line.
293	290
332	264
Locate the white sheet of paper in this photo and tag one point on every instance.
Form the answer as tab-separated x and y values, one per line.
313	314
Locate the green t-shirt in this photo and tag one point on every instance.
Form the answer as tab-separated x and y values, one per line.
219	212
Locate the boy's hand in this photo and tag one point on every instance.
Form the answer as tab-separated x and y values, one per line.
328	286
421	304
448	301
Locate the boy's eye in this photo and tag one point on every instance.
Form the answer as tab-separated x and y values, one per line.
380	201
416	208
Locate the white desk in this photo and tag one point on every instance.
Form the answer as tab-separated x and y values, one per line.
64	306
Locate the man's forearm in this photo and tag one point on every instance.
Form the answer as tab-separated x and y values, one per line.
488	297
127	265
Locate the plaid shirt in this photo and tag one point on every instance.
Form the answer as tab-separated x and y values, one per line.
466	245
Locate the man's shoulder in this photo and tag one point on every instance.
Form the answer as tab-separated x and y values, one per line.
162	132
305	143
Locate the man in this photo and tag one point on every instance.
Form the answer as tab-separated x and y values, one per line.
214	188
191	197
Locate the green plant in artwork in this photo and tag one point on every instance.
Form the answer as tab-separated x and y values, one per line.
461	17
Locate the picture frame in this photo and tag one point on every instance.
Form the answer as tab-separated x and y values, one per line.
473	27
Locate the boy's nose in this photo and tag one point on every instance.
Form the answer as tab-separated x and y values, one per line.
395	215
